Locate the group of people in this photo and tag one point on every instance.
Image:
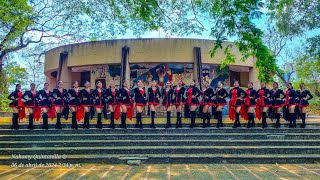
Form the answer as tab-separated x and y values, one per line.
84	103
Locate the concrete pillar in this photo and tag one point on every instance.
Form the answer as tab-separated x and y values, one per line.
66	74
125	69
253	77
197	67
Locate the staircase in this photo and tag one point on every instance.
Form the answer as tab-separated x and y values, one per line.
199	145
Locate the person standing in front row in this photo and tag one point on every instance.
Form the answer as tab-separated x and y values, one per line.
304	97
31	103
98	96
236	101
16	104
179	100
207	102
221	94
277	102
153	100
166	96
74	102
291	103
86	103
44	98
58	96
193	94
125	103
112	102
264	103
140	102
249	105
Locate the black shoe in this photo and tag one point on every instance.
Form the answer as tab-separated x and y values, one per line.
234	126
31	127
303	126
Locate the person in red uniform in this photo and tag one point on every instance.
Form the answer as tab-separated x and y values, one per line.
291	103
207	102
112	102
166	95
304	97
58	96
179	100
74	102
44	99
125	103
220	102
277	103
263	103
86	103
248	108
193	94
16	105
98	96
153	100
140	102
31	103
236	101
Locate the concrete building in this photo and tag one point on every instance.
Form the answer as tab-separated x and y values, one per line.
146	59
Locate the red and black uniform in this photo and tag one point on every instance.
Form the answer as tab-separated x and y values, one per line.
112	96
249	101
236	94
207	97
59	97
74	101
193	101
59	100
193	91
140	100
153	96
291	100
264	100
98	102
167	95
221	95
179	96
86	101
277	102
178	99
17	102
303	102
44	99
30	101
124	97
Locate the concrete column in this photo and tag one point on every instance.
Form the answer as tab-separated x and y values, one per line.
197	67
125	69
253	77
66	74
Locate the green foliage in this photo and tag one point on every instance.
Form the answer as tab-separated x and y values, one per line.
14	74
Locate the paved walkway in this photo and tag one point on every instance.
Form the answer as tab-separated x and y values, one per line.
159	171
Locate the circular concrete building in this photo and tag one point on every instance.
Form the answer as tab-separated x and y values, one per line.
146	59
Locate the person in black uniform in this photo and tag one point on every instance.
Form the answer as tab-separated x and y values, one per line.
16	104
74	102
304	97
221	94
112	102
125	103
207	102
58	96
86	103
98	96
140	101
250	105
193	94
179	100
166	95
153	100
291	103
236	101
31	103
277	102
44	99
264	103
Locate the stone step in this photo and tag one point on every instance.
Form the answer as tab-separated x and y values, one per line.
160	131
129	143
173	136
165	150
71	160
185	125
